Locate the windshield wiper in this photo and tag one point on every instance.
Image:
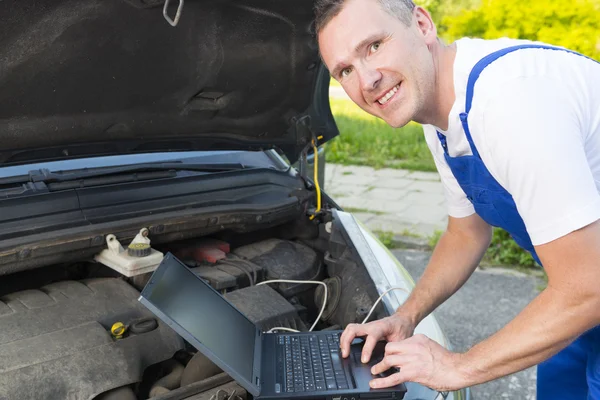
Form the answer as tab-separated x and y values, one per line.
48	177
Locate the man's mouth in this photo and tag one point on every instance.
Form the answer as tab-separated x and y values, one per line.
389	95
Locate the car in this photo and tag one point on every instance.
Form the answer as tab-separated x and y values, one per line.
131	129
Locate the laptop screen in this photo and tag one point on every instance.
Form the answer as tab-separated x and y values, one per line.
207	316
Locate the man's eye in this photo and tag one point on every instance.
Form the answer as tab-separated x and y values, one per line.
375	47
346	71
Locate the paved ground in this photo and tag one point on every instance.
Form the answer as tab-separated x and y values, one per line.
489	300
337	92
389	199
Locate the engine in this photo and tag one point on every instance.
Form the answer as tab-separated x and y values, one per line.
56	342
86	335
62	340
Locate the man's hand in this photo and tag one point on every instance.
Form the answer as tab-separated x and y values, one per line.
392	329
420	360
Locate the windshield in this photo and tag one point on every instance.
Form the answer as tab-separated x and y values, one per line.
249	158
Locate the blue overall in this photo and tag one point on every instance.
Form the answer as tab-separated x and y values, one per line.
573	373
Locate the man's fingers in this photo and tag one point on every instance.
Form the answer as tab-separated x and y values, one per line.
387	363
351	331
395	347
389	381
368	347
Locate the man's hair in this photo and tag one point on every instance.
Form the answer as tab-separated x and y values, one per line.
325	10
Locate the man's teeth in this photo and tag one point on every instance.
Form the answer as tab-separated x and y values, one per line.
388	95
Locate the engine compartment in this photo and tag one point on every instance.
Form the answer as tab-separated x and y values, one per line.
58	336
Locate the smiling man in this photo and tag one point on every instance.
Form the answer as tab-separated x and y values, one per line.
514	129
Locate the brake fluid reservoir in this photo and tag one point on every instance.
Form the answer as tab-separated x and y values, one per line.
138	258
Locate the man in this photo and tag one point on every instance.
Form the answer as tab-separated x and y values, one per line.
515	135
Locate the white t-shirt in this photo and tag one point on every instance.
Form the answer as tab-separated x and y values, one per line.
535	121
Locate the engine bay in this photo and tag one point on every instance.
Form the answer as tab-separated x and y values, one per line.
79	331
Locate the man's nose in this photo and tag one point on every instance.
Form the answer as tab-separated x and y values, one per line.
370	79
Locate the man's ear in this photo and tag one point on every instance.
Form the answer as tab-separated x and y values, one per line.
425	25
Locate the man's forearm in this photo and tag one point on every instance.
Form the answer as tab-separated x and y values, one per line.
568	307
548	324
454	259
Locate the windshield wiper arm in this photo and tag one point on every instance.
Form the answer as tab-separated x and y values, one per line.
46	176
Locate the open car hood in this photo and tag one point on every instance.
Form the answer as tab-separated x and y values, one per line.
84	78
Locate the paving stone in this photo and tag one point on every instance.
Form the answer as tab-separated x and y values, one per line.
389	199
386	205
426	187
424	176
433	200
417	213
346	190
364	180
426	230
390	173
337	92
385	194
355	170
364	217
392	183
352	202
389	223
330	171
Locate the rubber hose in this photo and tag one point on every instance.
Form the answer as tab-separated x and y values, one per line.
170	381
198	369
122	393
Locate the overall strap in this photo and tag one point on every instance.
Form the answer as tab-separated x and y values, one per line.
480	66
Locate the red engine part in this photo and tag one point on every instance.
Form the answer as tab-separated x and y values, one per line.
209	250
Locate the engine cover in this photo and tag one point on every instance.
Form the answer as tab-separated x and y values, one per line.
55	342
266	308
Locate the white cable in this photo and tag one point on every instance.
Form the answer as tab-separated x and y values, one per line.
281	328
294	281
379	299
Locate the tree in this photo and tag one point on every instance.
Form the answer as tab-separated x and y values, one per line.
574	25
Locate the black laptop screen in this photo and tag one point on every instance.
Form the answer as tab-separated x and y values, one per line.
206	316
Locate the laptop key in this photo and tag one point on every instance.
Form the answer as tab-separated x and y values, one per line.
342	385
320	385
331	384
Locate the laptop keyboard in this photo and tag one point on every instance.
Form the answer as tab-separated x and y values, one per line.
307	363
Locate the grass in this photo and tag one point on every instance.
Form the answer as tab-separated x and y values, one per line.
362	210
367	140
386	238
503	251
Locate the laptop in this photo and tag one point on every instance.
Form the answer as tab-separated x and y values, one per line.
302	365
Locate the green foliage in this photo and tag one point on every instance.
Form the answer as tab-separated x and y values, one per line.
503	250
386	238
441	10
575	24
435	238
367	140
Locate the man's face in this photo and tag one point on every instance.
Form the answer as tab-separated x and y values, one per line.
384	66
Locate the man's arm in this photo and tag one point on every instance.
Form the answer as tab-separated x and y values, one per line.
569	306
454	259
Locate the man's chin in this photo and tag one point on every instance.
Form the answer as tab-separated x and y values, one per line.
397	122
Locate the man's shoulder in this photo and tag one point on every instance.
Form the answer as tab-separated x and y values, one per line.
521	64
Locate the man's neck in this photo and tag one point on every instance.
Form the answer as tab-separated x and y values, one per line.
443	57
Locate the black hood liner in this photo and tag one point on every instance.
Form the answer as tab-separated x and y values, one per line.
102	77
